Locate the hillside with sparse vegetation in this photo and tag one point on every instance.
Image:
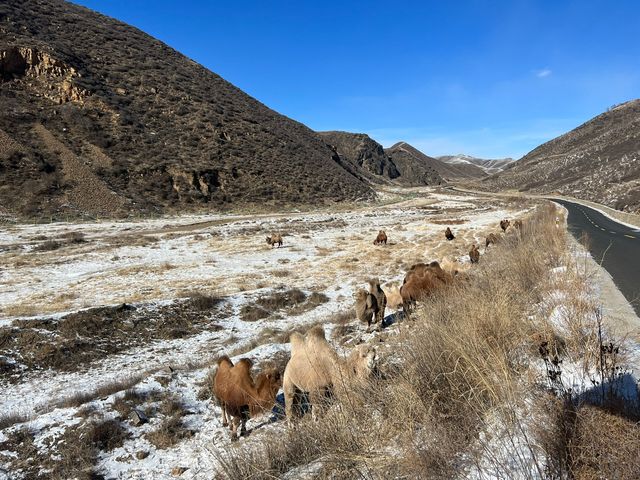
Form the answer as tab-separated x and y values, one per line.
597	161
99	118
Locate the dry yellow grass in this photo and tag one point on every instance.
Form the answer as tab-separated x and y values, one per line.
456	376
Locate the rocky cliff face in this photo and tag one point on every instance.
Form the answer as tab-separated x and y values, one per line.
146	128
369	159
415	166
363	155
44	75
598	161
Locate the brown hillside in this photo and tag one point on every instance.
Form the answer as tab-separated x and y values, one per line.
598	161
362	155
98	117
367	158
406	157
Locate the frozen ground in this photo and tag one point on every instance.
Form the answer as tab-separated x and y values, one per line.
155	263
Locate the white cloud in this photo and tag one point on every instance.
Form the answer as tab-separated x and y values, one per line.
545	72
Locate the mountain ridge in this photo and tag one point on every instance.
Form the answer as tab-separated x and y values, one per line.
598	160
151	127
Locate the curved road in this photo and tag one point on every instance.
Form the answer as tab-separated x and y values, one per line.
614	245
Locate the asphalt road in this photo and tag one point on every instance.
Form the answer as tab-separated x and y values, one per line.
613	245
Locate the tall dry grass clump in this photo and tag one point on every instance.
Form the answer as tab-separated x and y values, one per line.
460	391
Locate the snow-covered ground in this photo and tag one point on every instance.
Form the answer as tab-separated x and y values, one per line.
157	262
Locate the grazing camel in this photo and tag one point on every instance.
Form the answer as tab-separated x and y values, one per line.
239	396
381	238
315	368
449	234
366	307
275	239
421	281
504	224
474	254
492	238
381	299
518	224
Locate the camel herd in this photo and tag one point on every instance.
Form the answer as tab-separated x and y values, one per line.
315	369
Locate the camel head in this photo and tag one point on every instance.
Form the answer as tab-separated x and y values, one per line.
269	240
361	295
363	360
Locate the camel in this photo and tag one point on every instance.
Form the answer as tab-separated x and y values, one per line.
316	368
504	224
449	234
381	238
381	299
518	224
366	307
422	280
273	239
239	396
492	238
474	254
394	299
452	266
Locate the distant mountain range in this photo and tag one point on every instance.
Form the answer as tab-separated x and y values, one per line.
98	118
598	161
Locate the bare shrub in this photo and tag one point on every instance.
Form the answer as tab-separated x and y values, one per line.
47	246
253	313
171	429
74	237
279	300
107	434
11	418
203	302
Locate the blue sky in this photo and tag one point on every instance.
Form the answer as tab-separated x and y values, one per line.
486	78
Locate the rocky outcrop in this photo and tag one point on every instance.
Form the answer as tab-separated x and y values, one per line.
48	76
365	156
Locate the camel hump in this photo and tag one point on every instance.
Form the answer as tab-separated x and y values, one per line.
296	340
226	360
316	332
244	364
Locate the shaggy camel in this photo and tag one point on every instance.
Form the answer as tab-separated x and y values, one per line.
491	239
381	238
474	254
504	224
275	238
366	307
449	234
421	280
316	368
381	299
239	396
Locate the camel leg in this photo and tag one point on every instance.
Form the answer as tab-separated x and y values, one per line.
289	397
317	400
243	423
225	421
235	421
